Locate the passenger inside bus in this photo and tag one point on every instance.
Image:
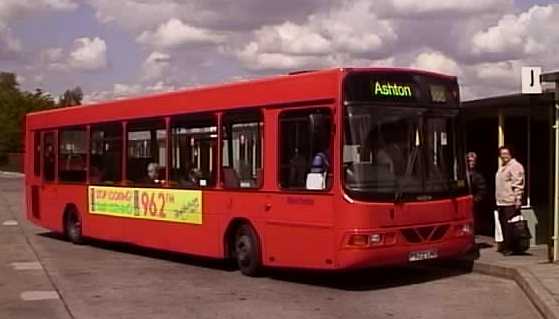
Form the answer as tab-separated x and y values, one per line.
192	176
153	175
49	162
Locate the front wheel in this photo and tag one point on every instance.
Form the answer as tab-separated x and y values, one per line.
247	251
74	229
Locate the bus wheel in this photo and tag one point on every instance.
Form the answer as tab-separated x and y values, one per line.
247	251
73	228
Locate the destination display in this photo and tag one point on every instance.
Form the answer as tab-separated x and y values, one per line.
181	206
391	89
399	88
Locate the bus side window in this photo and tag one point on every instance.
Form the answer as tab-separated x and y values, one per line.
194	149
72	155
242	150
105	163
37	153
305	150
49	156
147	152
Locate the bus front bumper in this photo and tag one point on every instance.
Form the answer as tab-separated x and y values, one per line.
351	258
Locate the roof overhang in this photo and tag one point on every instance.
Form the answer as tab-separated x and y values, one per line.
512	101
550	77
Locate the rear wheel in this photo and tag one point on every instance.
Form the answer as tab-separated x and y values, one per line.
73	228
247	251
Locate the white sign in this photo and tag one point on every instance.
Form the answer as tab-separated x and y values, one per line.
531	83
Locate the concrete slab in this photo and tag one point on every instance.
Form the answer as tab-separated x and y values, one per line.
39	295
10	222
538	278
33	265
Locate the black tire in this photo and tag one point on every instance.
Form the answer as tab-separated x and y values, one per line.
247	251
73	228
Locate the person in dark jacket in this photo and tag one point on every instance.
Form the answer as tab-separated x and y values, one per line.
478	188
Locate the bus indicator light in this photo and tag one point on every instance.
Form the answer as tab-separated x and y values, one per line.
358	241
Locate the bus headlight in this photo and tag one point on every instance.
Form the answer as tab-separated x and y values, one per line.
376	239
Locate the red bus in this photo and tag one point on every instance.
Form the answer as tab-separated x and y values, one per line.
331	169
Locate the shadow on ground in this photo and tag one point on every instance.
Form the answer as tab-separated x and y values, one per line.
355	280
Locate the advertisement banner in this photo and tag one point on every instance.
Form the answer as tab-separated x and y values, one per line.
182	206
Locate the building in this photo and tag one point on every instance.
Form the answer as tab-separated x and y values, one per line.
526	123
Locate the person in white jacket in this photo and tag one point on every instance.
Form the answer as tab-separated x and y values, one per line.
509	189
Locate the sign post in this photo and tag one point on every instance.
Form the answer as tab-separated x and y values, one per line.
531	83
554	254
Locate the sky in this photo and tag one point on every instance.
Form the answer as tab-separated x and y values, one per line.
114	49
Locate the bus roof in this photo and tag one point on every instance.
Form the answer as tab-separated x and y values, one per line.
297	87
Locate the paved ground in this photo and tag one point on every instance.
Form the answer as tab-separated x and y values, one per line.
532	271
114	281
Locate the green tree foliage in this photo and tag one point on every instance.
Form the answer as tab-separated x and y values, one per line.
71	97
14	104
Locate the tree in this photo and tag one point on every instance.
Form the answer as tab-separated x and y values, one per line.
14	104
71	97
8	81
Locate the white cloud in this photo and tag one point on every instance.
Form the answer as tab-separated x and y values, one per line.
123	90
238	15
125	13
408	7
85	55
15	9
530	33
174	33
254	60
9	45
21	79
61	4
155	66
291	38
53	54
160	86
499	71
343	33
437	62
88	54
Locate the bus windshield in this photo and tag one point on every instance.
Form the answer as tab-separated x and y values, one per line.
402	153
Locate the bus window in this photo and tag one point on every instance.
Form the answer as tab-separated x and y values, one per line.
72	155
147	152
37	153
242	150
305	150
49	156
194	142
105	164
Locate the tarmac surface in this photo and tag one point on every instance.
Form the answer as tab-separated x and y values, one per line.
43	276
532	271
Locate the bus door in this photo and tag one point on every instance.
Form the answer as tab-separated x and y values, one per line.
34	180
299	226
48	190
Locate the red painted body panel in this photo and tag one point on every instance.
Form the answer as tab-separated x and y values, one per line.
304	230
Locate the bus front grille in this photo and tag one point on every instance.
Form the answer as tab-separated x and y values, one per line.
424	234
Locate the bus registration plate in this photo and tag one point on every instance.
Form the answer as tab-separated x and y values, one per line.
423	255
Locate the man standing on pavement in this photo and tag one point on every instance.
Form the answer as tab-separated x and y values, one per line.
509	189
478	189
